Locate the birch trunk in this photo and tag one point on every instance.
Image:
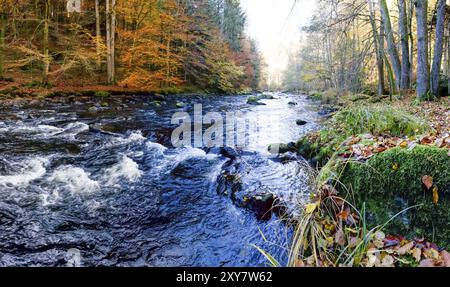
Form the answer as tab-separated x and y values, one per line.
438	48
391	47
378	49
113	41
46	68
3	21
98	35
423	71
403	30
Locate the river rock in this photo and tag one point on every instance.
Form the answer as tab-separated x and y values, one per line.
301	122
327	111
292	103
156	104
281	148
261	205
254	100
229	152
180	105
93	109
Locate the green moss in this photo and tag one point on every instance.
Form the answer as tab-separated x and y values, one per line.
102	94
392	181
378	120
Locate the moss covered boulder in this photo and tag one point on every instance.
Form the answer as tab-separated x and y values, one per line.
392	181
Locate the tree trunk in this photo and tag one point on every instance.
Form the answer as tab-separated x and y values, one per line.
108	42
423	71
3	21
403	30
46	68
448	59
411	39
378	49
98	35
113	41
438	48
391	47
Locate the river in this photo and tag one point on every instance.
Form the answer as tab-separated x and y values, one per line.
99	181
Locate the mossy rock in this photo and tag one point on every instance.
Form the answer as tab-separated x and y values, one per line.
281	148
156	104
390	182
102	94
180	105
254	100
316	153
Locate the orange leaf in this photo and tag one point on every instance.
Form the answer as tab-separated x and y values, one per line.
427	181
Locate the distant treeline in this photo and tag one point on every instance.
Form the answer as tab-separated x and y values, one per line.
150	44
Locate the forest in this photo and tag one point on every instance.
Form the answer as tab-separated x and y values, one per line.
153	45
386	47
231	133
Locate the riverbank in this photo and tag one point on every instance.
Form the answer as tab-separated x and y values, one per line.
383	169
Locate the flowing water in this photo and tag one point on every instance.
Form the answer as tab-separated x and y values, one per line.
101	180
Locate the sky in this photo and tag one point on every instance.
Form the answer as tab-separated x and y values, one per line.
276	28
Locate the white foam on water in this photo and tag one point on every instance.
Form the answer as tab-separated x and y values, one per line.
158	148
75	128
125	169
134	137
186	153
75	179
28	170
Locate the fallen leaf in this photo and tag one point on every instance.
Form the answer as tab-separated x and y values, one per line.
388	261
417	254
343	215
299	263
405	249
310	208
379	235
339	237
435	196
395	166
431	253
404	144
373	258
427	181
426	263
353	242
445	258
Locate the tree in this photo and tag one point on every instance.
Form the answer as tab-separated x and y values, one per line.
438	47
391	46
98	34
110	39
403	31
3	23
423	71
378	40
47	18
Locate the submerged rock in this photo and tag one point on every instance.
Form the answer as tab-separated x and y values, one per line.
180	105
292	103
